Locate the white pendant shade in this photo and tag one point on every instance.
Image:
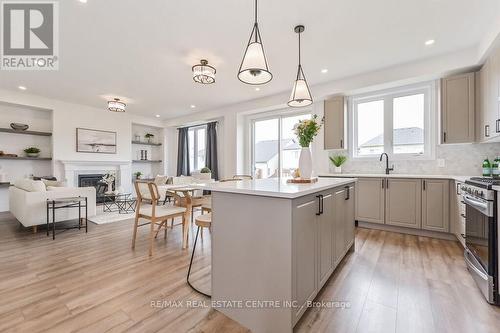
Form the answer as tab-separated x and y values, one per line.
253	69
301	96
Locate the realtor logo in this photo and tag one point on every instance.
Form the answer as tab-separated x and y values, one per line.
29	35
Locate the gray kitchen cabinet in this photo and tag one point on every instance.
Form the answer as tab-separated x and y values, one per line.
435	204
334	125
339	201
489	93
370	200
326	232
349	217
403	204
457	212
458	108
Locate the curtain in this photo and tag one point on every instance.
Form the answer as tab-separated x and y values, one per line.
183	152
211	149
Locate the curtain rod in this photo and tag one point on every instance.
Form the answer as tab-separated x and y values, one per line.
215	121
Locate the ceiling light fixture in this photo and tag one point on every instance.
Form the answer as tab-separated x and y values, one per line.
429	42
192	106
83	1
157	116
324	71
253	67
22	87
116	105
204	73
301	95
257	89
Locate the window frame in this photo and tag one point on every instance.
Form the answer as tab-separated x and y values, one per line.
196	129
277	114
428	89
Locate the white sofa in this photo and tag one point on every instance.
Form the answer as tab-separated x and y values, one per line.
27	201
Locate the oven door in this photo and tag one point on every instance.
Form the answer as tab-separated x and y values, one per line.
480	241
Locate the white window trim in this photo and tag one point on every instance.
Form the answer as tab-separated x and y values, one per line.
429	89
195	146
276	114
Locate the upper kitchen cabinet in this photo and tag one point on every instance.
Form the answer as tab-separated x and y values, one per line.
489	92
458	108
335	123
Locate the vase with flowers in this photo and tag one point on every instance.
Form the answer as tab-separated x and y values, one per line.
306	130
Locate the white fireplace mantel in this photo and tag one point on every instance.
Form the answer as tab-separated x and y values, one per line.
123	169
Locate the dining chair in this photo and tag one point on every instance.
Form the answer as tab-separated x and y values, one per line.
202	221
156	216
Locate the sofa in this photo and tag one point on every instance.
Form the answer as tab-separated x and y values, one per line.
28	197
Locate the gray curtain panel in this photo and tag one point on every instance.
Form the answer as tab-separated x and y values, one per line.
211	149
183	152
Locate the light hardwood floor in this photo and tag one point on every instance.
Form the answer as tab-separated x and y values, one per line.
96	283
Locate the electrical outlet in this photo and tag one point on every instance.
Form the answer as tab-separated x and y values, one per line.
441	162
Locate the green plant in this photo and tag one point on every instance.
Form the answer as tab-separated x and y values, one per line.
138	174
307	129
149	135
32	150
338	160
205	170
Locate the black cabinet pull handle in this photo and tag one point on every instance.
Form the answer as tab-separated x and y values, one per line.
319	204
423	183
348	193
444	136
497	123
463	236
387	183
322	203
383	181
341	143
463	215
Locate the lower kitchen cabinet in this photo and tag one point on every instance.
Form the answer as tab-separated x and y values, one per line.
435	204
370	199
457	212
327	228
403	202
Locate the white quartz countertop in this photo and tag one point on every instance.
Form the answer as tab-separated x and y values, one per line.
275	187
395	175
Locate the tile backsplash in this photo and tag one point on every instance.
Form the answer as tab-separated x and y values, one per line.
460	159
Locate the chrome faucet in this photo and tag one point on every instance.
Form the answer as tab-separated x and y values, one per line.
387	169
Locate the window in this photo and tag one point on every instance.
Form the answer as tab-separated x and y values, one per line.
396	122
275	148
197	137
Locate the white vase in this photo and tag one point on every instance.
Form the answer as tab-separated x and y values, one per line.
305	163
338	169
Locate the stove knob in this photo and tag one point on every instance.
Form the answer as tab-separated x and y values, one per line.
481	194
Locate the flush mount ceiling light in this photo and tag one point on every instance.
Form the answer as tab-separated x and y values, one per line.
301	95
116	105
204	73
22	87
429	42
254	68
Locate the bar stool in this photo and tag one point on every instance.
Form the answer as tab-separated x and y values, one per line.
202	221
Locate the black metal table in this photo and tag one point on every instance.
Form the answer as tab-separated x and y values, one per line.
121	203
126	204
66	203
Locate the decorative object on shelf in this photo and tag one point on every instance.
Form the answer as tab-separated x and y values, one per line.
254	68
95	141
116	105
138	175
109	178
32	151
137	137
205	173
19	127
149	137
337	161
296	173
301	95
306	130
204	73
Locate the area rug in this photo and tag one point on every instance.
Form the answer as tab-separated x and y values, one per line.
104	217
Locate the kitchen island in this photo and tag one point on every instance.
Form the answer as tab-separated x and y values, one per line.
274	246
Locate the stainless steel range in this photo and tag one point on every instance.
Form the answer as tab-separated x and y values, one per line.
481	234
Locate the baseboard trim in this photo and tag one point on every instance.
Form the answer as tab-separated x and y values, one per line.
410	231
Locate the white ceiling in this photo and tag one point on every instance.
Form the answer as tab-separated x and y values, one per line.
143	50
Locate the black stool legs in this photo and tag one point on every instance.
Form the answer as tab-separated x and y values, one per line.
191	264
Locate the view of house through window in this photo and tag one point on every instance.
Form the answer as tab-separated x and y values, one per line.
275	147
197	137
394	123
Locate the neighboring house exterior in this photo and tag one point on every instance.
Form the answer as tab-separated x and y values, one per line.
266	157
409	140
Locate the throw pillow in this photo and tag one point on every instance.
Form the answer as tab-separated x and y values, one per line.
160	180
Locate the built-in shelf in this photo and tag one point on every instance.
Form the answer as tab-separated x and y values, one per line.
146	161
25	158
10	130
146	143
4	184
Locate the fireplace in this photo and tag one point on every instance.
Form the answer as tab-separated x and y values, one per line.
95	180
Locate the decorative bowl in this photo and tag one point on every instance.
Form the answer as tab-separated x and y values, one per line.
32	154
19	127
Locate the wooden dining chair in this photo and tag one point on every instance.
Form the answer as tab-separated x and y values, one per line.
156	216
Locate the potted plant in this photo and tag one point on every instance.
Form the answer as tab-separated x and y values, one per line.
337	161
306	130
205	173
32	152
138	175
149	137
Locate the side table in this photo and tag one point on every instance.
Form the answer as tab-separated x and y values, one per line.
66	203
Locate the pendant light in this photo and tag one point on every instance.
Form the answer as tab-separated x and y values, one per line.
204	73
254	68
301	95
116	105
